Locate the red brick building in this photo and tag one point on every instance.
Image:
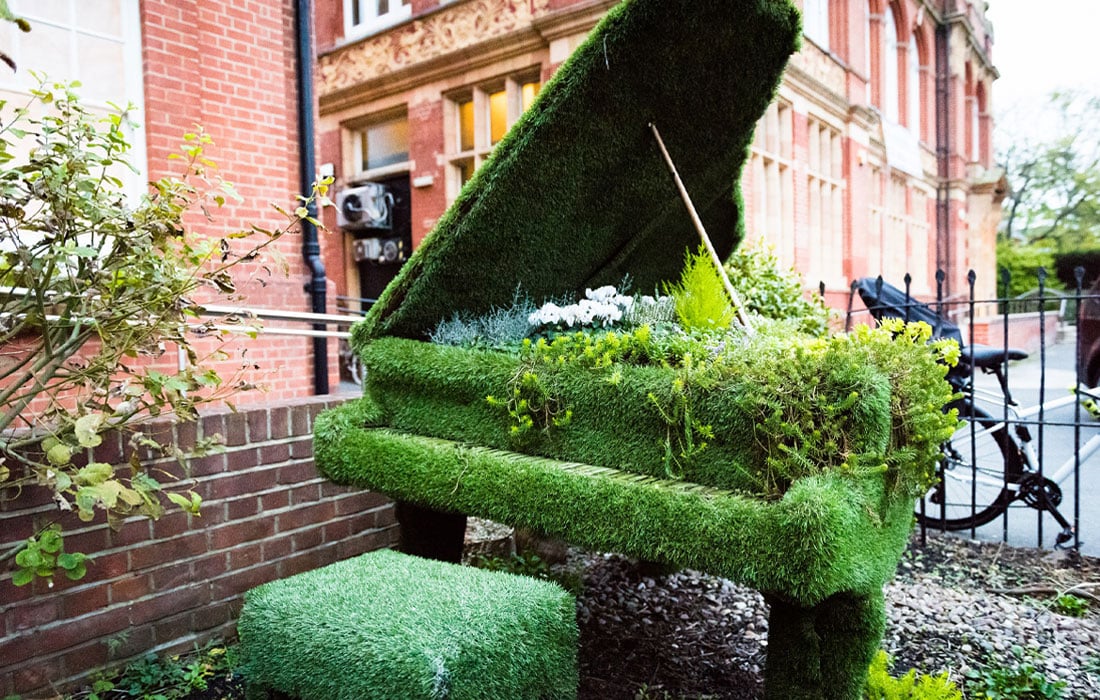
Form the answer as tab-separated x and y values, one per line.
875	158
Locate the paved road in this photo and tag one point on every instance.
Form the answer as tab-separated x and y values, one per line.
1029	385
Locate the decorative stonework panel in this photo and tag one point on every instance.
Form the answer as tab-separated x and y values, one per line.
437	34
820	66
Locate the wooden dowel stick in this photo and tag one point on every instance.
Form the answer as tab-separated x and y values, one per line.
737	305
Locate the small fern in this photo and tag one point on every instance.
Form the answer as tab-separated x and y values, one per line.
701	299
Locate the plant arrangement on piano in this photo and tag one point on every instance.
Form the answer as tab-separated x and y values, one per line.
685	348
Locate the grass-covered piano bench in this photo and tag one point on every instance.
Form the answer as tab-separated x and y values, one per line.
525	367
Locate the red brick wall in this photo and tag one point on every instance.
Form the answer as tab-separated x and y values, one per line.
230	67
1024	331
168	584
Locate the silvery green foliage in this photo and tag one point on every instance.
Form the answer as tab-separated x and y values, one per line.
500	327
652	311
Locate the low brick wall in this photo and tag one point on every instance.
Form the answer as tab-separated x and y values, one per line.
1024	331
164	586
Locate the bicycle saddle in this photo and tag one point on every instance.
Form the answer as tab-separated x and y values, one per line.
989	357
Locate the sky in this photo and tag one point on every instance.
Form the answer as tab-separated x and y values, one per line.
1040	46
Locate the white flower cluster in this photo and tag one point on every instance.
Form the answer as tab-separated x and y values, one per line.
602	306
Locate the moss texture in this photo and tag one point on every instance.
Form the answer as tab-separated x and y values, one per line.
577	194
441	391
357	630
828	534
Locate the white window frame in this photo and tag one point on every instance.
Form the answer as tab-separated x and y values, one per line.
891	93
815	21
772	182
358	132
825	203
370	21
131	93
472	158
913	74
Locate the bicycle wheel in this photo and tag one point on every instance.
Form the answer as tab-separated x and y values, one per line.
980	470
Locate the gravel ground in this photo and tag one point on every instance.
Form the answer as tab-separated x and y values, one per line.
955	605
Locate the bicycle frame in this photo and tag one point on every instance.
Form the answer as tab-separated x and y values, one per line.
1023	440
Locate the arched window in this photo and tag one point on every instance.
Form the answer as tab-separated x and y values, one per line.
891	92
913	87
970	145
978	136
815	21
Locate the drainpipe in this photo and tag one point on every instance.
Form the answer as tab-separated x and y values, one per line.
307	167
943	151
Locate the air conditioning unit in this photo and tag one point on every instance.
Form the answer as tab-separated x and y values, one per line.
384	251
365	207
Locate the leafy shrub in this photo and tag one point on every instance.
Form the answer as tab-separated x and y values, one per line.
155	677
767	290
1020	680
882	686
93	286
1023	263
1070	605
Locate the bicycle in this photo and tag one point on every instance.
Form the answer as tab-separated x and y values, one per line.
986	467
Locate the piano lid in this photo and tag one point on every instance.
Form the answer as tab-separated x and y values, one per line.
577	195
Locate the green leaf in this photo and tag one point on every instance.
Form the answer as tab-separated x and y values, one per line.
59	455
51	540
70	561
94	474
87	429
21	577
77	572
190	505
62	482
28	558
130	497
5	473
106	494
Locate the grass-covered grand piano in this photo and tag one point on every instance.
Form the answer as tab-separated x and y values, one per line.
815	447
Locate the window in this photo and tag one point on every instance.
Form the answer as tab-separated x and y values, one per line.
875	263
97	43
362	17
478	118
913	87
891	93
895	241
906	238
815	22
983	146
771	182
868	61
383	144
825	186
919	241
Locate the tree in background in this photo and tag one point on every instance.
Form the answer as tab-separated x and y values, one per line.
1054	182
1053	204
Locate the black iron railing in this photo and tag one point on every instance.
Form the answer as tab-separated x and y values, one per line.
1037	413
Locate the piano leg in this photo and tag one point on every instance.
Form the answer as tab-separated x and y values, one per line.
823	652
430	533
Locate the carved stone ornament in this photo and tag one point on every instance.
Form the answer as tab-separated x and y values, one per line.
439	33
